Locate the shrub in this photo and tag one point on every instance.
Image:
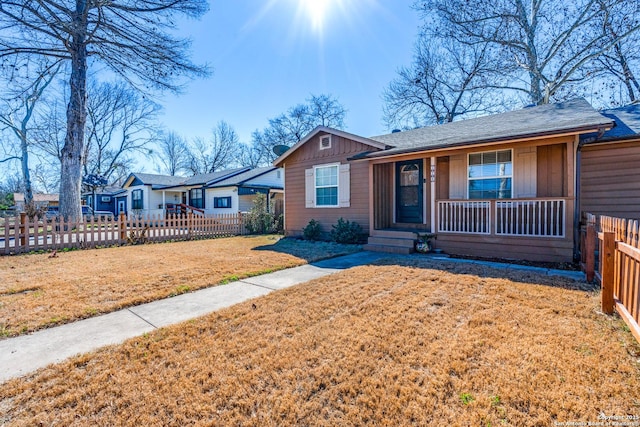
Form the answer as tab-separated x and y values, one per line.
346	231
258	220
312	230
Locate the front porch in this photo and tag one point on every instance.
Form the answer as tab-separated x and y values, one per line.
529	217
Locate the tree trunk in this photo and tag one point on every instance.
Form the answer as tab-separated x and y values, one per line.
71	168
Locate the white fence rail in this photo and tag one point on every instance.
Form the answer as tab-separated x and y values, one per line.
531	218
464	217
535	218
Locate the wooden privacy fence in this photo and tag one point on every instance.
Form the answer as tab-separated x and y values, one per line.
619	270
21	234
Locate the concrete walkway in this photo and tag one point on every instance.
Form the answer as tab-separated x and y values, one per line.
24	354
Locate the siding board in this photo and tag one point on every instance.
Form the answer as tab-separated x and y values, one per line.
610	179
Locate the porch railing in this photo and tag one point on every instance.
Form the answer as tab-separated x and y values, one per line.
531	218
464	217
536	218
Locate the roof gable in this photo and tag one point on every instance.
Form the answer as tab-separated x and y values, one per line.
366	141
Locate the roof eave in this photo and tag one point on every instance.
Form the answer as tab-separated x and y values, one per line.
514	138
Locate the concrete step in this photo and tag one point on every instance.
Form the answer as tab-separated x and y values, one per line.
387	249
402	234
391	241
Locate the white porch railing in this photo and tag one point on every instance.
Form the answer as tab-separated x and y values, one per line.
464	217
536	218
531	218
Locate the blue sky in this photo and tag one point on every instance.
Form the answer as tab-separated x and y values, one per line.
268	55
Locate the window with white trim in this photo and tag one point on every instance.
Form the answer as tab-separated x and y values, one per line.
490	175
326	185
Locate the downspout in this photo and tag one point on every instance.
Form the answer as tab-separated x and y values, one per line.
578	186
576	208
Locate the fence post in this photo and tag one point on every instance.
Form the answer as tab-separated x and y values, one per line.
123	227
23	228
189	224
590	249
608	248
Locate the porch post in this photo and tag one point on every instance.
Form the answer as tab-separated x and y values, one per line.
371	204
164	203
433	194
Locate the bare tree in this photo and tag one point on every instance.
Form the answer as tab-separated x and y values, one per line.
297	122
541	46
120	123
172	153
215	154
18	112
132	38
445	82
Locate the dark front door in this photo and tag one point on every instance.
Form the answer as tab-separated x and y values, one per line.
409	197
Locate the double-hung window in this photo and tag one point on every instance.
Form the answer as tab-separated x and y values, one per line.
136	199
326	185
490	175
196	198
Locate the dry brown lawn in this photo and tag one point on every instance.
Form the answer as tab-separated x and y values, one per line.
408	343
38	291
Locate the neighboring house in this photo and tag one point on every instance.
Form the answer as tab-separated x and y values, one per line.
111	199
40	200
496	186
227	191
610	167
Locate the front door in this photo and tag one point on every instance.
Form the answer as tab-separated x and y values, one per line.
409	197
121	207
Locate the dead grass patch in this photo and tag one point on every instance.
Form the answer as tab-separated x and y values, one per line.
417	343
37	291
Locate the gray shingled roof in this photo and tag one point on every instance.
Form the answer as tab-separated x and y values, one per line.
243	177
627	120
167	181
213	176
570	116
160	180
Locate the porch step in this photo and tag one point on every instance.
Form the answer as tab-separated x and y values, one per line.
391	241
395	244
387	249
403	234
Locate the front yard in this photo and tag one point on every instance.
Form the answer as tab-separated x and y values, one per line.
38	291
407	342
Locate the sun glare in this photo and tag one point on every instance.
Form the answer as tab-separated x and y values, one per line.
317	11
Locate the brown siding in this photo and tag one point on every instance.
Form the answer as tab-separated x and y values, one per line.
442	178
383	195
297	216
610	179
551	176
507	247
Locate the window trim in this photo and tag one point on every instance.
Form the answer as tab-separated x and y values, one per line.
490	177
322	138
216	200
315	186
105	199
134	199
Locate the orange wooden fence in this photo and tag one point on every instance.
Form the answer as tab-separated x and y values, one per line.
22	235
619	271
